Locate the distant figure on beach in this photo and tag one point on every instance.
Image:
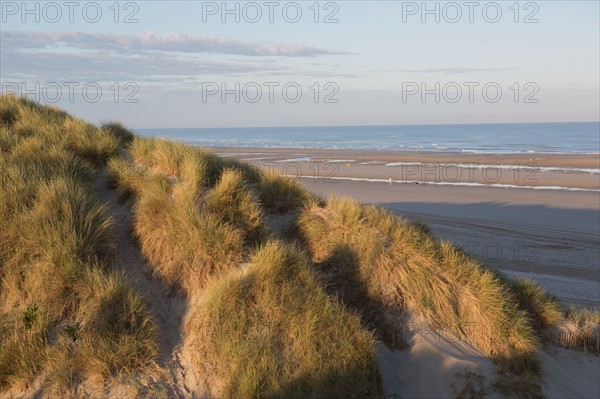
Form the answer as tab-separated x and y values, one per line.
390	180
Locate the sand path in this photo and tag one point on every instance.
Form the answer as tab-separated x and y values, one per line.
179	379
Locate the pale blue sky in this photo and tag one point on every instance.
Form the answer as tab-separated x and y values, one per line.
370	54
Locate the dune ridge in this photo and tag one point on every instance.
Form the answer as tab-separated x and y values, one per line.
275	292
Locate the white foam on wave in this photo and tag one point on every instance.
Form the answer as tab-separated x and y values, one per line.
525	167
235	154
305	159
257	159
467	184
372	163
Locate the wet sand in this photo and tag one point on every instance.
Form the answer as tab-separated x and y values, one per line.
521	170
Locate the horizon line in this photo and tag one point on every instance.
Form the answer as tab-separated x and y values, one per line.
366	125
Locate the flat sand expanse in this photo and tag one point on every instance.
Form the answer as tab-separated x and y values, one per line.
547	230
521	170
542	159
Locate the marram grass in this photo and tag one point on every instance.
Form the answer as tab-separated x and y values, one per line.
267	318
64	315
288	339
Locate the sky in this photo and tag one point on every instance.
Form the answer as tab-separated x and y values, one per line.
178	64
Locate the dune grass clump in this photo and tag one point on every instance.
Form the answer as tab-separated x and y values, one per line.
114	325
543	309
271	331
281	193
9	113
24	116
196	218
192	216
64	316
117	129
125	177
252	174
7	139
197	167
88	142
184	246
581	331
402	266
236	204
581	316
54	286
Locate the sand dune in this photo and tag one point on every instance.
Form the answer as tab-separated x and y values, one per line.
547	235
135	267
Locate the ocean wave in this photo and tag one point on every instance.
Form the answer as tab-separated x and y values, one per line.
467	184
525	167
372	163
305	159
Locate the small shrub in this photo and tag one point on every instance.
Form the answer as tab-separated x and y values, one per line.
30	316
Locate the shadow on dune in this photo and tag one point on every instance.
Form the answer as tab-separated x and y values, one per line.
334	384
342	278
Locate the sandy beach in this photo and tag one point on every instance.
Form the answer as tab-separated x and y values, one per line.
340	200
579	172
528	215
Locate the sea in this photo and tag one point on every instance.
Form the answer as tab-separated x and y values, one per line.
506	138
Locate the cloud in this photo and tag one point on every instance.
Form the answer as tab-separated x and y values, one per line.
176	60
455	71
172	70
151	42
98	66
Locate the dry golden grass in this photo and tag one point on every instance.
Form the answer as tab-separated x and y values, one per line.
198	167
271	331
88	142
63	314
236	204
580	331
193	211
196	218
125	177
262	323
117	129
185	247
401	265
195	167
543	309
281	193
582	316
